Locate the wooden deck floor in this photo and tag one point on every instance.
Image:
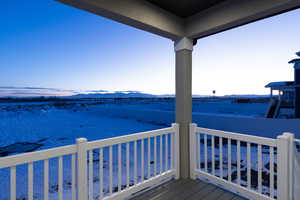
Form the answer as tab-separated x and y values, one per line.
187	189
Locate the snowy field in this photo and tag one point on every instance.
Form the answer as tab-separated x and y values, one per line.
26	127
49	124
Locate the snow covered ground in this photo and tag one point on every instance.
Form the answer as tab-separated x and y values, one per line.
27	127
51	124
56	125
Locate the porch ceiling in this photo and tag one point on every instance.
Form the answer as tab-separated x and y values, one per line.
184	18
185	8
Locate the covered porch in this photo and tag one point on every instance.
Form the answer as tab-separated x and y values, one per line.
183	161
184	22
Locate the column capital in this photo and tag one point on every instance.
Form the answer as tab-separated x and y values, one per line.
183	43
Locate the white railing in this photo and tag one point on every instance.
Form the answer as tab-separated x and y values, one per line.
255	167
113	168
117	168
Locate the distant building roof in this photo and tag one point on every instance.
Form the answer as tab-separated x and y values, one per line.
296	61
281	85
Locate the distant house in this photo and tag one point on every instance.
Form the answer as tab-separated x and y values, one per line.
288	95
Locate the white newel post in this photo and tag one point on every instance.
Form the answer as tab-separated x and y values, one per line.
81	168
283	182
291	163
192	150
296	173
176	150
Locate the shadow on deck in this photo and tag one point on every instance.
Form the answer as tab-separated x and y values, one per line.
187	189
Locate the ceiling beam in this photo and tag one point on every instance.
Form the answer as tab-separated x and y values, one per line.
233	13
137	13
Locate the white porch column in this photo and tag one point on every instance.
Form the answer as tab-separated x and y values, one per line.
183	49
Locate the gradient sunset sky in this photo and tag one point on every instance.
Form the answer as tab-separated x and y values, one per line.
47	44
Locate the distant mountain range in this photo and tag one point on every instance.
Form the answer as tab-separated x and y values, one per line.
52	92
118	94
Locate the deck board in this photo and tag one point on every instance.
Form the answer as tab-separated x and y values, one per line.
186	189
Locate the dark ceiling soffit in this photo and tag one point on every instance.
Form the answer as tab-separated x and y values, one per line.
221	29
185	8
174	34
169	34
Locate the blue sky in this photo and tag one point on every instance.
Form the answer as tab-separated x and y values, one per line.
48	44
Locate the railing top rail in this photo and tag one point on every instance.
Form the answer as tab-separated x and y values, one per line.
128	138
237	136
71	149
36	156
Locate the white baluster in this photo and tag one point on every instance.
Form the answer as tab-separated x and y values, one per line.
46	179
238	159
30	181
221	156
142	160
135	162
229	159
172	150
213	155
13	183
248	165
60	178
91	178
119	167
205	152
161	153
73	161
259	166
149	158
155	156
198	148
127	165
166	153
101	173
110	170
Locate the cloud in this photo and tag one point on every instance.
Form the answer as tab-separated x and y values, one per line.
10	91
